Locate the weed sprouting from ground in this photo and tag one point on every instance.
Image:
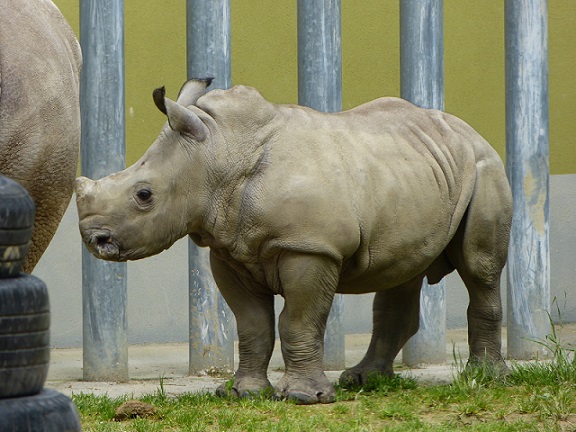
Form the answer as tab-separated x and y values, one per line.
559	370
161	392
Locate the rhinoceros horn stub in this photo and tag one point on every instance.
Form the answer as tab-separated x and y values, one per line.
180	118
84	186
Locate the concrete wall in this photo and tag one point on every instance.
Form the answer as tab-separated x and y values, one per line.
158	286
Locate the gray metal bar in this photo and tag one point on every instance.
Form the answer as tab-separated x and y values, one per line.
422	83
526	33
320	87
211	321
104	293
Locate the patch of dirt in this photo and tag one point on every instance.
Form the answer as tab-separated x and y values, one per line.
567	424
133	409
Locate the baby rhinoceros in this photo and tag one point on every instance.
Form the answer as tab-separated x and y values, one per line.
306	204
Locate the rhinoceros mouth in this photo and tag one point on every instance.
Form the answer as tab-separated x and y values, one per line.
102	244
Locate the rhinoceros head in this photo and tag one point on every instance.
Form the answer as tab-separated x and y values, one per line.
144	209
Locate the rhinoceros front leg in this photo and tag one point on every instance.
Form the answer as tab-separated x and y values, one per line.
395	320
253	307
308	284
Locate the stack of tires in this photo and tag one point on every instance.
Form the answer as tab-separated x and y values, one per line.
25	328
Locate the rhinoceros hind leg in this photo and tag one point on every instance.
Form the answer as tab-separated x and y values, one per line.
479	251
484	323
396	319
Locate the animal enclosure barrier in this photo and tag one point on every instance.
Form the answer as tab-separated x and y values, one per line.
422	83
211	321
320	86
103	151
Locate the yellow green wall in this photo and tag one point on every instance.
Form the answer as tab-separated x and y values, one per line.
264	55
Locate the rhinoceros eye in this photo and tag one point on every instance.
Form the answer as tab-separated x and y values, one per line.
144	195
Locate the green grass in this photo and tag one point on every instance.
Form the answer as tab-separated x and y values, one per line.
533	397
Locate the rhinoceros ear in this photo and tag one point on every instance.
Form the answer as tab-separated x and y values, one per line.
180	118
192	90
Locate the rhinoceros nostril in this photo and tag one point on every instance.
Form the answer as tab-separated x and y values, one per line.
103	239
100	238
103	245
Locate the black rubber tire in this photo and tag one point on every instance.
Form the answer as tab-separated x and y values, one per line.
15	236
24	341
12	258
17	213
17	205
47	411
24	336
23	295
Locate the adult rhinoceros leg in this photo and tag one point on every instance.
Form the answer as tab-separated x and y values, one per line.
253	307
395	320
308	284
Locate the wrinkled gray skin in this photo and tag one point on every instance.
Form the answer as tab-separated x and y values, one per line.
40	62
305	204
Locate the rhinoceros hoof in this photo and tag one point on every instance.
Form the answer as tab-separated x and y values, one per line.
305	391
245	388
362	375
495	367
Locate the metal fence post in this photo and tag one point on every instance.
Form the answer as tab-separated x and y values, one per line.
211	321
422	83
104	293
526	30
320	87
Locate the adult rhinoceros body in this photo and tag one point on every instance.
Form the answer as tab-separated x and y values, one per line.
40	62
305	204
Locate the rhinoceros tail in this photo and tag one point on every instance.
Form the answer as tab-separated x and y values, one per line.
158	96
